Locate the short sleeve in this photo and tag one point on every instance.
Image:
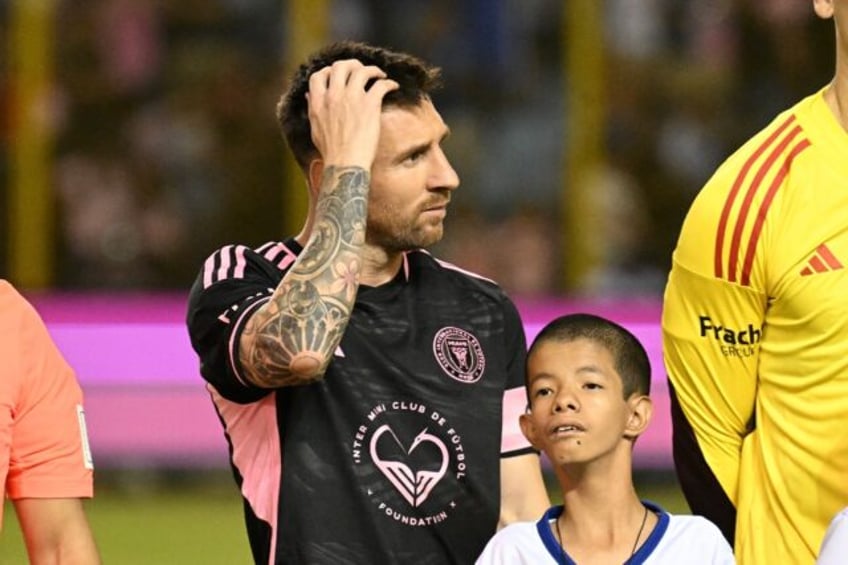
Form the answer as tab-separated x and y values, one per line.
232	284
42	421
513	441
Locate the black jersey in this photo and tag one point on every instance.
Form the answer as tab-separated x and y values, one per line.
394	456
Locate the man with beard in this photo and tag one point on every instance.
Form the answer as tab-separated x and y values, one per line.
370	393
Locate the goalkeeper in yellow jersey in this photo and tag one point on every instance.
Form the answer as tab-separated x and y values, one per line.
755	330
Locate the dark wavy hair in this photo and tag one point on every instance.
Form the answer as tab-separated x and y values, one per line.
417	81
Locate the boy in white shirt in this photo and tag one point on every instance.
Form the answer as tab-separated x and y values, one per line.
588	384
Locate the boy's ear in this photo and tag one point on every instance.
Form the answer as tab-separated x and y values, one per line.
528	428
641	412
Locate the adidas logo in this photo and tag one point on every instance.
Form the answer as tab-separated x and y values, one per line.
822	261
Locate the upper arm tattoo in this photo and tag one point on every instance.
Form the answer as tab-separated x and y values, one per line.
308	312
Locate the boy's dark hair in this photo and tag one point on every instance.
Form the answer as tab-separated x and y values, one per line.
628	354
417	81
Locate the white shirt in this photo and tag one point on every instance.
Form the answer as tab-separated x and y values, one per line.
675	539
834	548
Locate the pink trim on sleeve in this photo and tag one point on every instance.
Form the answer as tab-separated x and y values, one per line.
241	262
254	435
273	254
514	404
208	269
225	262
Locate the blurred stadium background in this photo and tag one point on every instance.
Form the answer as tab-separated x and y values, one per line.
139	135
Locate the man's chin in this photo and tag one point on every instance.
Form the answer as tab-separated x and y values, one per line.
420	239
431	237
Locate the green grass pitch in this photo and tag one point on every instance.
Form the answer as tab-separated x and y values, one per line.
183	518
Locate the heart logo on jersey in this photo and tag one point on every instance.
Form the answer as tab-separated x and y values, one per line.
414	484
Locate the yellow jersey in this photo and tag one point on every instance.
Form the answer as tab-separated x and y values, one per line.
755	339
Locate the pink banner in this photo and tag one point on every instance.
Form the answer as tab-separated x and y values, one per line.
146	403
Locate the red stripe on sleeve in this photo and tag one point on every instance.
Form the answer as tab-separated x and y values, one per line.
761	214
728	204
736	242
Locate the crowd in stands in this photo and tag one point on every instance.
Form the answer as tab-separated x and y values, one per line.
166	145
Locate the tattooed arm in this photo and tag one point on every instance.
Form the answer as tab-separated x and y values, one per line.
291	339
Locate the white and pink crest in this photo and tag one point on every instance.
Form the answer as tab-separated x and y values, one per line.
459	354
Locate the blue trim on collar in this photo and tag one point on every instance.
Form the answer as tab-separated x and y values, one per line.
543	527
656	535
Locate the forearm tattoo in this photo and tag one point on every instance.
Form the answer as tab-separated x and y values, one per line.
291	339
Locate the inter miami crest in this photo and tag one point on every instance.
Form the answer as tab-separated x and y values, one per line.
459	354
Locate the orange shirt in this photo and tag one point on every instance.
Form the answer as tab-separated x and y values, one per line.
44	450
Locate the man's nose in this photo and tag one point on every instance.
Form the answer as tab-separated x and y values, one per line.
443	175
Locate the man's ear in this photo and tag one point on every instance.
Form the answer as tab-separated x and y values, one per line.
316	172
641	412
528	428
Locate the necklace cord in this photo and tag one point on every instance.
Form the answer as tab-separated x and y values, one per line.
635	543
639	535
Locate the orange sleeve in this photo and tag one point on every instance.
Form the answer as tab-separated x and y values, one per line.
44	451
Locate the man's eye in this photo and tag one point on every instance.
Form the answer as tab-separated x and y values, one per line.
593	386
543	392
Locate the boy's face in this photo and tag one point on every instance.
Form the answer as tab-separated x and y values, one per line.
578	413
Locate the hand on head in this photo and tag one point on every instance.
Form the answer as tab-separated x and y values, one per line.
343	115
